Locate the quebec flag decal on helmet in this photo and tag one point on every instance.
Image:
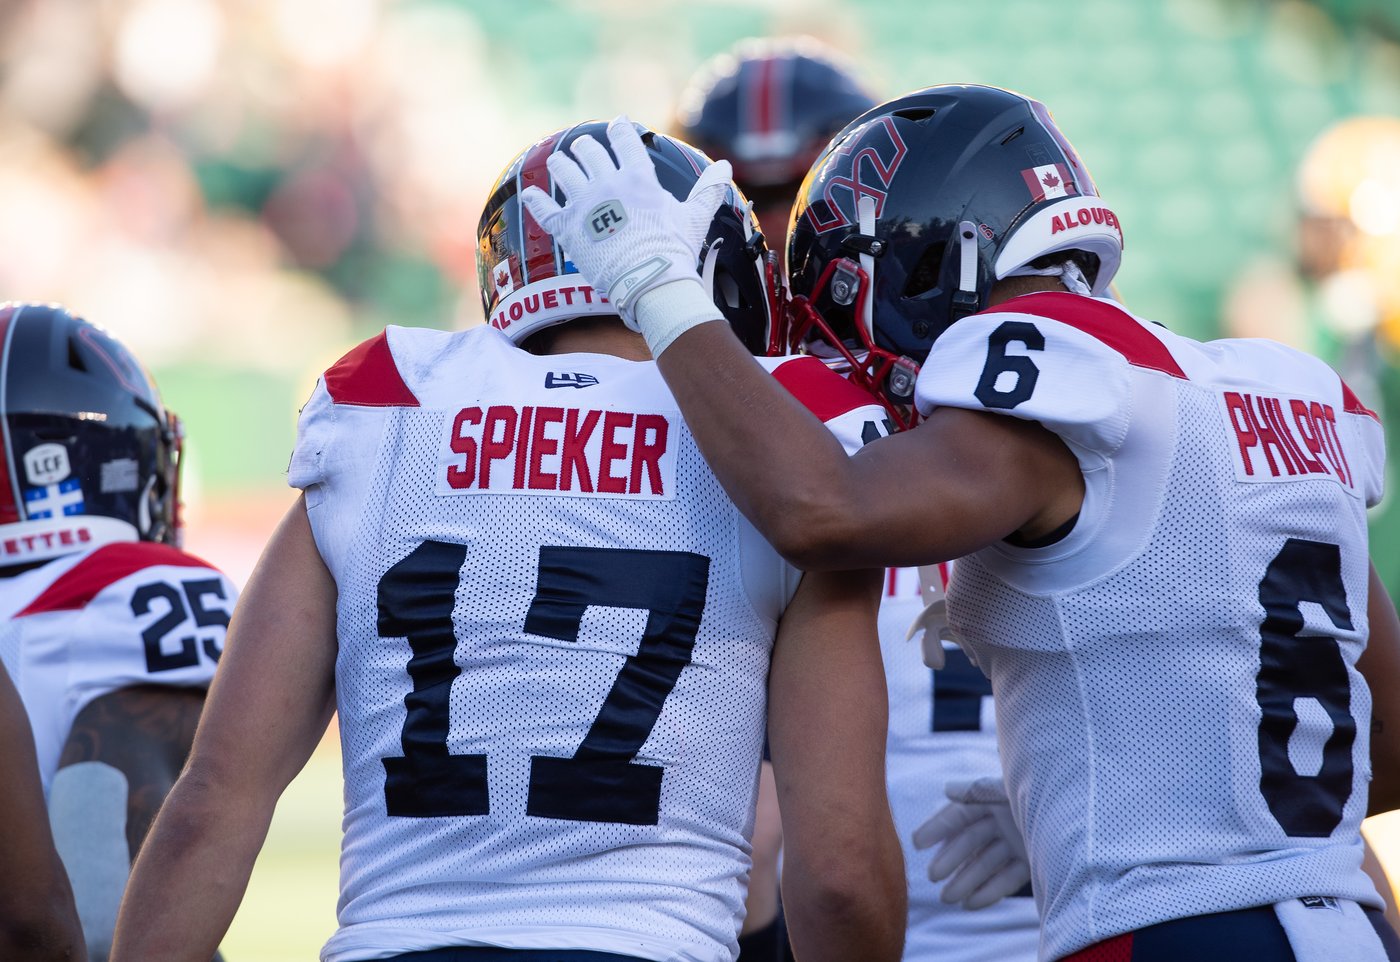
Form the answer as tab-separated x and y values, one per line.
90	453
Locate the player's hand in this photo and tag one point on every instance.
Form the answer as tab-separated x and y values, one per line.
625	232
981	844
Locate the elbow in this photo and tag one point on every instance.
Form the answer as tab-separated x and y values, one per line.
857	902
44	930
206	802
813	538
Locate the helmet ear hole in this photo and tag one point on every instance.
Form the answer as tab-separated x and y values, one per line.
924	277
727	289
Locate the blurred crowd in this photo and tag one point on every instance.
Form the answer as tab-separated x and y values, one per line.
249	188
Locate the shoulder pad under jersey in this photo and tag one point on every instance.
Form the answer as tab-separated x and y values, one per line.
1064	360
850	413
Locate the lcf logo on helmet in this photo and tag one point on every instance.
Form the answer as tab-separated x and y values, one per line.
606	218
875	155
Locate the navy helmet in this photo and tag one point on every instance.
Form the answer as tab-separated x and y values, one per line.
769	106
916	209
90	453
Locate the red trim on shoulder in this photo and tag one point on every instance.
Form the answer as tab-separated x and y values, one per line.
1111	325
1352	404
368	377
821	390
77	586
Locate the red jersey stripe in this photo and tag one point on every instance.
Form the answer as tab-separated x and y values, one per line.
368	377
535	241
821	390
1104	321
1116	949
1352	404
107	565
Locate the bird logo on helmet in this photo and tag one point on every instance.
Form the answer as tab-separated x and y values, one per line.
916	209
528	283
91	455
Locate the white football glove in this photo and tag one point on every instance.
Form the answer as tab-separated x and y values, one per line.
625	232
980	843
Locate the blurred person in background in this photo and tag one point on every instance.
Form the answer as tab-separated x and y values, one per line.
770	107
38	918
110	631
550	641
1163	562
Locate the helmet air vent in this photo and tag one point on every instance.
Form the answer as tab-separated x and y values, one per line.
915	114
75	360
1013	135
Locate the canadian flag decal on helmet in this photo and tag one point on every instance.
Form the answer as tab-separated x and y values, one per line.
1049	181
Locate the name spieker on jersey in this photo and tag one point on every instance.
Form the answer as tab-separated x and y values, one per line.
126	613
549	740
1184	730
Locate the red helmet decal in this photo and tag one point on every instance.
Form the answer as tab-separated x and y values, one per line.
869	173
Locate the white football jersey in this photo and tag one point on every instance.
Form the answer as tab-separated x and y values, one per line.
942	728
549	740
1183	727
85	624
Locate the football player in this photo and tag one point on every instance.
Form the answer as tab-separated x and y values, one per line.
769	107
38	919
110	631
1162	547
549	638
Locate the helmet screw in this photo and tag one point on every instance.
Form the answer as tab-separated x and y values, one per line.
921	329
877	248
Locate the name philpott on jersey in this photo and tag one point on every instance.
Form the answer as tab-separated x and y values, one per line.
1283	438
505	449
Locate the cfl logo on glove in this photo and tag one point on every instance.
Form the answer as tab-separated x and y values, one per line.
606	218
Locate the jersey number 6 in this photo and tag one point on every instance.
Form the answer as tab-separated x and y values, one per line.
600	782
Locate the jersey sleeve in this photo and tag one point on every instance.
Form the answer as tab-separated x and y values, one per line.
136	613
315	428
1064	363
850	413
1365	426
340	424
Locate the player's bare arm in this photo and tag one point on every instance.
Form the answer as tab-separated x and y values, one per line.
1379	664
38	918
145	733
843	873
823	510
803	494
266	711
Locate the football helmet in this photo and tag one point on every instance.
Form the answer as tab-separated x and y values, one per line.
91	454
916	209
769	107
528	282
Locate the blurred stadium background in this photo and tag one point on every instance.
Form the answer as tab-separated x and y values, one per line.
242	191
